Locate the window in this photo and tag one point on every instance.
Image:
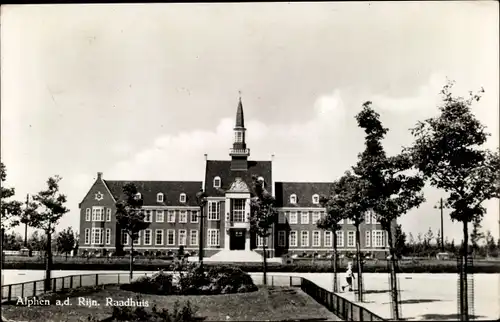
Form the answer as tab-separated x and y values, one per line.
108	236
304	238
193	237
147	237
281	238
182	197
108	214
137	240
260	241
304	218
160	216
148	217
87	235
213	210
238	136
378	238
159	237
183	218
213	237
374	218
194	216
171	216
97	236
315	199
159	197
293	217
217	182
328	239
350	238
367	238
281	218
340	238
316	239
124	237
170	237
97	213
293	199
238	210
87	214
182	237
293	238
315	217
368	217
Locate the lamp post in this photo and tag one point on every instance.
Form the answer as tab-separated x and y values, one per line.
201	197
442	233
26	222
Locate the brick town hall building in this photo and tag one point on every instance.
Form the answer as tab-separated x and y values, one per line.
171	208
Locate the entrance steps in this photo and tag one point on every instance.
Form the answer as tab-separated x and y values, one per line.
235	256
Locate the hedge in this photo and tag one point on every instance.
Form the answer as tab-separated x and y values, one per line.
369	267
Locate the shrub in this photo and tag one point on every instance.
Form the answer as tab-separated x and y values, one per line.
185	314
160	283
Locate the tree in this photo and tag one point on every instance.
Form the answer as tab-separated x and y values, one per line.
130	217
447	150
66	241
263	215
391	189
400	247
351	194
44	213
9	209
12	241
490	245
476	236
37	242
428	237
438	239
335	212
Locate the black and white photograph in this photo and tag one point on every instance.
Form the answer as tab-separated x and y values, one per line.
258	161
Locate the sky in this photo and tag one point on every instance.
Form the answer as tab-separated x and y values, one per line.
142	92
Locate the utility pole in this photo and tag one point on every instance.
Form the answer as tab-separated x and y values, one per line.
26	223
202	201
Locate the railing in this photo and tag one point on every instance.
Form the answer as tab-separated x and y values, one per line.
336	304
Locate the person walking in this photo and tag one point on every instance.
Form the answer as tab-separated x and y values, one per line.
349	277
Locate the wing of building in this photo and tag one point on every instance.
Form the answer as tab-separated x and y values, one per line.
171	208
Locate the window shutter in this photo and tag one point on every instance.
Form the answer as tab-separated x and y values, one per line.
367	239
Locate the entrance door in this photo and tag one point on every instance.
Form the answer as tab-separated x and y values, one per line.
237	239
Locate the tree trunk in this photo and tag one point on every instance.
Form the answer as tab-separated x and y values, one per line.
335	263
264	280
464	307
393	278
358	259
48	263
131	260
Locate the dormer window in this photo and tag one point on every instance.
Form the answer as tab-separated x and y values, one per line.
315	199
217	182
293	199
138	196
159	197
182	197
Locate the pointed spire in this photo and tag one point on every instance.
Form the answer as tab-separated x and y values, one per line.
240	121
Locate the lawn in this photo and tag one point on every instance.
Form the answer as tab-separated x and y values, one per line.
272	304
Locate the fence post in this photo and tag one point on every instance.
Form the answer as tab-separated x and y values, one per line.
96	279
34	288
55	284
10	292
71	282
272	280
80	281
22	290
118	278
290	281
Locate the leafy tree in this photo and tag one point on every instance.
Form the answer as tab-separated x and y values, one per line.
130	217
447	150
490	245
438	239
66	241
400	247
390	188
351	194
263	215
428	237
335	212
12	241
37	242
9	209
44	213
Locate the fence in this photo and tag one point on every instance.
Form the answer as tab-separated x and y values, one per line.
336	304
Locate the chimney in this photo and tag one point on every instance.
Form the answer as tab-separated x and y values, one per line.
99	175
272	157
206	156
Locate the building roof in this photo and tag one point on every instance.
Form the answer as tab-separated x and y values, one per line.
149	190
303	190
240	119
222	169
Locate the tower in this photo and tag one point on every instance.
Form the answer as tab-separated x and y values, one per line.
239	152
